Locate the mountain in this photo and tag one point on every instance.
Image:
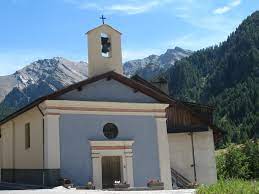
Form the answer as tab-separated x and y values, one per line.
38	79
226	76
154	65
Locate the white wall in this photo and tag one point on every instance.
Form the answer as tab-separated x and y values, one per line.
180	148
7	146
163	151
14	154
181	157
205	157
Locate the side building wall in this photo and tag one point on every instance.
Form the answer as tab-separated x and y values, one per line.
17	163
181	156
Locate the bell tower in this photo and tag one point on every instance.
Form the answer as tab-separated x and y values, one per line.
104	50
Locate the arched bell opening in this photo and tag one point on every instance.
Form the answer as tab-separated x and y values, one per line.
106	50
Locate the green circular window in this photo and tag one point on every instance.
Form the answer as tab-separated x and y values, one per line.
110	130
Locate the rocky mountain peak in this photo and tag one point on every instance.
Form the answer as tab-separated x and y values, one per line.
178	51
153	64
55	73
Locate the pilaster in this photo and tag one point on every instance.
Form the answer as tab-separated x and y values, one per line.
97	170
129	169
163	151
51	142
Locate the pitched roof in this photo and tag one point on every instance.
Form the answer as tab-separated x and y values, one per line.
145	82
137	83
109	75
190	106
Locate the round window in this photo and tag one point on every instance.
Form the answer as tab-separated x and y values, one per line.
110	131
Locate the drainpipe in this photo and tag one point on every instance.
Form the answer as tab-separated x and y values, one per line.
43	150
13	170
193	159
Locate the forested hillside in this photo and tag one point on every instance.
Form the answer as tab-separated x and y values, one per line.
226	76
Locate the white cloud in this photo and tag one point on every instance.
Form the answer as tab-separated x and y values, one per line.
228	7
191	11
133	9
221	10
199	15
235	3
129	7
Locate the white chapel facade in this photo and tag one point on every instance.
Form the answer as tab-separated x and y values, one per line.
107	128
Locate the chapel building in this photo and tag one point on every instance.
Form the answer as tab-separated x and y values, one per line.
109	128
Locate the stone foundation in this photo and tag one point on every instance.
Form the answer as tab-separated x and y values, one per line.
47	177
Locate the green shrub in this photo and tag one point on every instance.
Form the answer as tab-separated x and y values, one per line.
236	163
239	161
233	164
231	186
251	150
221	168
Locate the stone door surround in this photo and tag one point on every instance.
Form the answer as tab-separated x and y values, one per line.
112	148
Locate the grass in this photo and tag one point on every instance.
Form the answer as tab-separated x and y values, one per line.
232	186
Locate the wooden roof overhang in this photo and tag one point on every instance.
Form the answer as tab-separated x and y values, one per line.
186	129
190	107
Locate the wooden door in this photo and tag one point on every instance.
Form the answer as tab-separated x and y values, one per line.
111	170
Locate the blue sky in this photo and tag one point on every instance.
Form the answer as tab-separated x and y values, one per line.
34	29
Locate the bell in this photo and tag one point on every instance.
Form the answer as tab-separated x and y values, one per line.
104	40
106	45
105	49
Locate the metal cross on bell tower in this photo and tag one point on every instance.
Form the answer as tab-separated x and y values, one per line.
103	18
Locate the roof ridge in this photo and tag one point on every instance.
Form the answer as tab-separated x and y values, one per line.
102	26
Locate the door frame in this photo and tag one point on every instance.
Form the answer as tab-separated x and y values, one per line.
112	148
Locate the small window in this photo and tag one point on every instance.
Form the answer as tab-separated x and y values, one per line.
27	136
110	131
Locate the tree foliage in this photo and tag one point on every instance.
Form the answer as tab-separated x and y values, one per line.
226	76
239	162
